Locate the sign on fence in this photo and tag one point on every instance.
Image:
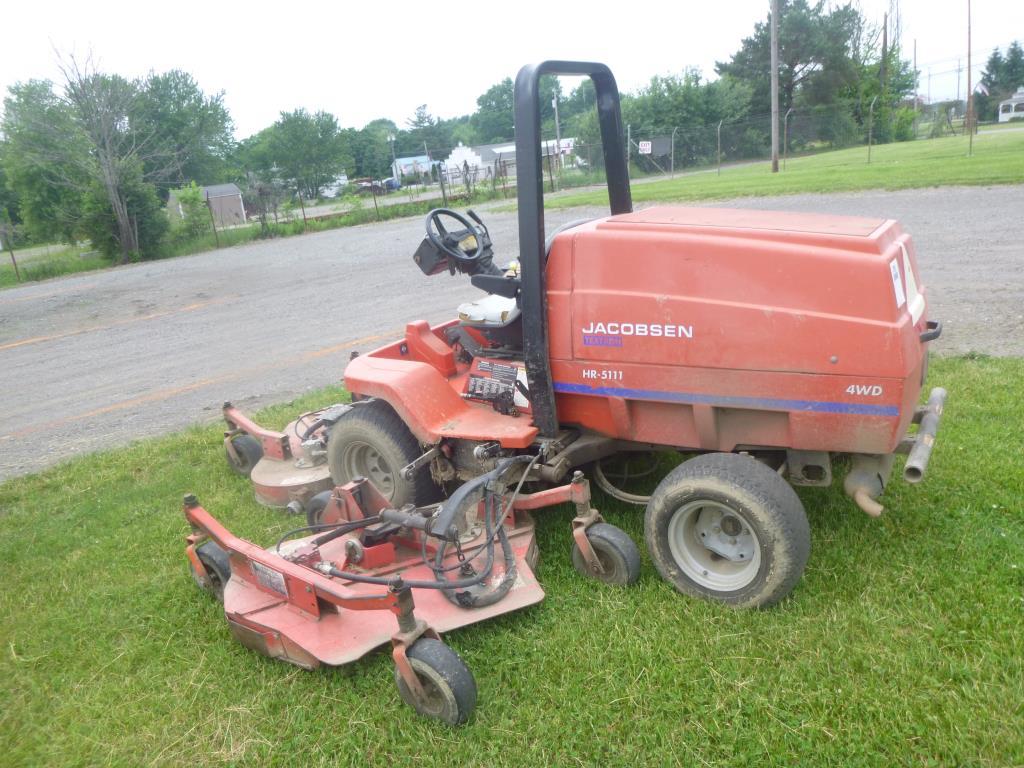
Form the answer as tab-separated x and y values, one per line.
645	147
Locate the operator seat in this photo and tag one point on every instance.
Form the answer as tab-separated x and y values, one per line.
498	318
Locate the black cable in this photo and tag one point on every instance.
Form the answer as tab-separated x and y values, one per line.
353	525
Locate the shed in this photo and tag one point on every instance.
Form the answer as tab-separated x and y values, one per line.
1013	107
224	200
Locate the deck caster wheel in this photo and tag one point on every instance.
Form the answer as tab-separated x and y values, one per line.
315	508
447	682
248	452
218	568
615	550
725	527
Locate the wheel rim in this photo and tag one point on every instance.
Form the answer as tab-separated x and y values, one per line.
363	460
714	545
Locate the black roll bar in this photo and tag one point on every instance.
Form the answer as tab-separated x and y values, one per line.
529	184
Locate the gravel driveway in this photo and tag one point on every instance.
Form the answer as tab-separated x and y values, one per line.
95	360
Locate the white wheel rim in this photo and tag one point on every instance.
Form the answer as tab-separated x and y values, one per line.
363	460
714	546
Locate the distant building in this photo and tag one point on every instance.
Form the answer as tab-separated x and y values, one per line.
486	155
224	200
1013	107
334	188
413	167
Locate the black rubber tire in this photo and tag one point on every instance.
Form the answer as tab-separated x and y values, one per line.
762	500
218	568
617	552
447	681
249	451
376	426
316	506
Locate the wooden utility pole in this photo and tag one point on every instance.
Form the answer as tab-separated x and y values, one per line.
916	78
970	89
775	85
885	53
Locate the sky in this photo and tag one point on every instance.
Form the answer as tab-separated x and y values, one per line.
361	61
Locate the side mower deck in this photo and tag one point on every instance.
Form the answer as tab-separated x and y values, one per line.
284	623
321	599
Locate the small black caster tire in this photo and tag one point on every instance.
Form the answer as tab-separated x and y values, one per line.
315	508
218	568
447	681
249	451
615	550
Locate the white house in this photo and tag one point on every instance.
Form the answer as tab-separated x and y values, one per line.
1013	107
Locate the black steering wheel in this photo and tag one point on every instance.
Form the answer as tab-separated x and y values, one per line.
449	242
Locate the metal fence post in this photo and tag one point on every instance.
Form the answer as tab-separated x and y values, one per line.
672	162
10	249
720	146
785	137
871	125
209	207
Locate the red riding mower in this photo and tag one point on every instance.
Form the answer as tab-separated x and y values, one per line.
766	343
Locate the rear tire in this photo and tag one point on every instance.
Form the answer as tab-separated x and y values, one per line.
249	451
447	681
725	527
372	442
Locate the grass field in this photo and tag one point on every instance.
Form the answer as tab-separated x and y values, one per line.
901	646
998	159
66	261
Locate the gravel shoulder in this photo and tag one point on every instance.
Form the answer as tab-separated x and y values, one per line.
96	360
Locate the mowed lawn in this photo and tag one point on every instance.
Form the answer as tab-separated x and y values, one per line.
998	159
902	645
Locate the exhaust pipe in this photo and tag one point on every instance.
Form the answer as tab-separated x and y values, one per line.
917	461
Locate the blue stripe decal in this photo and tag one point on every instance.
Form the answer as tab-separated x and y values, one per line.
692	398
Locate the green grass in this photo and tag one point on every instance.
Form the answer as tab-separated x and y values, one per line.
998	159
63	262
902	645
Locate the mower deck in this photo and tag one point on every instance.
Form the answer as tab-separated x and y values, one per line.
344	635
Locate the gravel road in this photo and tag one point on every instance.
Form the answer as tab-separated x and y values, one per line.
96	360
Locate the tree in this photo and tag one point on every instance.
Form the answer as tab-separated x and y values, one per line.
308	150
370	148
493	117
191	132
817	47
1002	77
84	160
424	131
39	137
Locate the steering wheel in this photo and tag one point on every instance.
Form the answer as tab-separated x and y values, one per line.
448	242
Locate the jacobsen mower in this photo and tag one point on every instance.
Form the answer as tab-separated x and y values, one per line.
768	344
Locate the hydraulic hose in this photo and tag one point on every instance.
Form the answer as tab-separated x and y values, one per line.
495	528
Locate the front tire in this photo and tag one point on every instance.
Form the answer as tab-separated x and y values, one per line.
725	527
446	680
372	442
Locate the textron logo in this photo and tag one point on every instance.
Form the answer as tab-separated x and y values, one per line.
611	334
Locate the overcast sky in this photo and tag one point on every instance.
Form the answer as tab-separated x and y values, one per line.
366	60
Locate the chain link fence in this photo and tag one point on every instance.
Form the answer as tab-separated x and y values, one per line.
805	131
